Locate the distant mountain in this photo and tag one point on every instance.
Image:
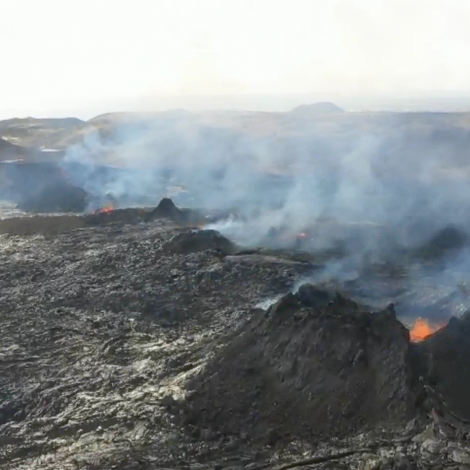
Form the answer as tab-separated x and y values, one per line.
319	130
9	151
39	122
45	133
317	109
139	116
12	152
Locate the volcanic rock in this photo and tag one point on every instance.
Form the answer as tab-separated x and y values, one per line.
166	209
63	223
313	297
445	357
130	216
314	364
119	353
201	240
100	326
41	225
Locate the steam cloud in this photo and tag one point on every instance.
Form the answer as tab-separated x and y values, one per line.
378	183
388	177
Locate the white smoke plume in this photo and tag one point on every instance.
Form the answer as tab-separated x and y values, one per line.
386	179
370	186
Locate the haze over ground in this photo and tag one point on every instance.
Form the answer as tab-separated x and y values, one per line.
85	58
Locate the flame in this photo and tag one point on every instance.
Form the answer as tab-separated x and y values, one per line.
422	329
302	235
105	210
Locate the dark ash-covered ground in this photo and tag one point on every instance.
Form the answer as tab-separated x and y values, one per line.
100	327
124	346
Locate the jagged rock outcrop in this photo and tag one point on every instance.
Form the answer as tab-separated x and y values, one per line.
167	209
445	357
201	240
314	364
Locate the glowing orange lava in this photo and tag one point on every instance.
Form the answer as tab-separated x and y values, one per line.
105	210
422	329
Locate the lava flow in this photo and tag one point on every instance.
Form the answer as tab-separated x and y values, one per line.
105	210
422	329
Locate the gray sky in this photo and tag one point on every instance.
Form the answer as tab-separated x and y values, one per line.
78	57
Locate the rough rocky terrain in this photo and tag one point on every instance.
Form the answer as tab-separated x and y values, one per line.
152	345
101	327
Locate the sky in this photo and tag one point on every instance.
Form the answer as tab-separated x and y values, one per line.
63	57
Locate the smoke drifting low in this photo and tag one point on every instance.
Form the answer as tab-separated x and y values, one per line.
371	187
402	173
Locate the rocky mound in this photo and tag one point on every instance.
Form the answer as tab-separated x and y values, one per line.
314	364
166	209
445	359
201	240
